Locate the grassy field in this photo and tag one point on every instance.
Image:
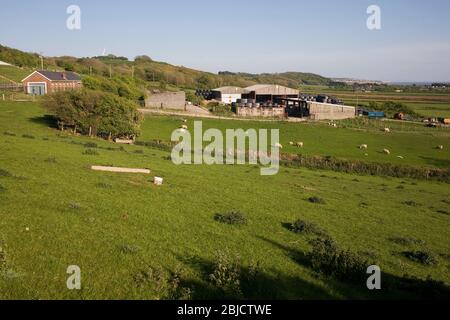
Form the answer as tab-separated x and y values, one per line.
56	212
414	142
13	73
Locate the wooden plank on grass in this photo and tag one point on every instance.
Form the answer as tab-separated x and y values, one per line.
120	170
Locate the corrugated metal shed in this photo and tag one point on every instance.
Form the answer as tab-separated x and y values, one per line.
271	89
230	90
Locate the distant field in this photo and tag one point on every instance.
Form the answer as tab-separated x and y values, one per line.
415	143
13	73
119	229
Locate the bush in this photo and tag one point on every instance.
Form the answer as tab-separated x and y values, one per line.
164	285
316	200
90	152
423	257
90	145
98	113
10	134
232	218
406	241
330	260
5	173
301	226
226	275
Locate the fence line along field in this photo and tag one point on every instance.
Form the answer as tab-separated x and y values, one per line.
135	240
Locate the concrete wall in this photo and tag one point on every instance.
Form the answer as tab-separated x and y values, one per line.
166	100
260	112
325	111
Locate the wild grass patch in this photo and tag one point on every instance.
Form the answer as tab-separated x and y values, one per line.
128	249
407	241
411	203
330	260
74	206
305	227
231	218
5	173
28	136
9	134
90	152
91	145
316	200
426	258
104	185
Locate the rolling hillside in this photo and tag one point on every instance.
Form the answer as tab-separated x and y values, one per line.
154	72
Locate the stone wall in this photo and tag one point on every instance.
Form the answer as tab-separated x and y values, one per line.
260	112
166	100
326	111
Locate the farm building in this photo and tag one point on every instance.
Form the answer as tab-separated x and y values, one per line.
166	100
43	82
298	107
228	95
262	93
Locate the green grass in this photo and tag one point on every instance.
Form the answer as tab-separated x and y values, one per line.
414	142
74	220
14	73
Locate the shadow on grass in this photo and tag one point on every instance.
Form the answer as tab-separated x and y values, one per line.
253	284
46	120
393	287
437	162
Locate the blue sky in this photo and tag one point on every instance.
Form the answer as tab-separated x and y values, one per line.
328	37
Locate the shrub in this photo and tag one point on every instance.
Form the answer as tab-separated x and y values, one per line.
316	200
100	114
5	173
406	241
104	185
423	257
74	206
129	249
330	260
164	285
10	134
28	136
226	275
301	226
90	152
411	203
90	145
232	218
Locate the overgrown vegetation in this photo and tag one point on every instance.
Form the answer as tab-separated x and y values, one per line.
94	113
424	257
232	218
305	227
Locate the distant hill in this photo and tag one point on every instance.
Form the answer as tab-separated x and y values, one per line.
149	70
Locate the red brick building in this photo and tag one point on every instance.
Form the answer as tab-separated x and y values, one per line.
44	82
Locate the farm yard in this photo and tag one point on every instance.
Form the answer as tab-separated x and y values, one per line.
135	240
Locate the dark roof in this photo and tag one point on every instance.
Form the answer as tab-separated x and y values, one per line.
58	76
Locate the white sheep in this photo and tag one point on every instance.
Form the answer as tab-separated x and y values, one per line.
387	151
387	130
291	143
441	147
184	127
400	157
300	144
364	146
278	145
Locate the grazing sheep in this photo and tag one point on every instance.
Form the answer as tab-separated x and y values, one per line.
291	143
400	157
334	125
184	127
440	147
278	145
387	130
387	151
300	144
364	146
